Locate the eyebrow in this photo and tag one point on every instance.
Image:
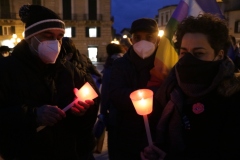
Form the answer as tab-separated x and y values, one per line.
47	32
51	33
196	48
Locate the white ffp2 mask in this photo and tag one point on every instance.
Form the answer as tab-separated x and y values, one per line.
144	49
48	51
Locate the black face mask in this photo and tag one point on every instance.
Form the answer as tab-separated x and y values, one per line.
192	70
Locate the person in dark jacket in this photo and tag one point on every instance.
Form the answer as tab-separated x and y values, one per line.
129	73
107	112
234	52
35	87
4	51
86	142
200	98
81	61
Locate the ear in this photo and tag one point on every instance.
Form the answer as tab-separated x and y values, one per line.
131	41
220	55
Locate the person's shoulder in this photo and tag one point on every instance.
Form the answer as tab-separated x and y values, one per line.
120	63
8	64
6	61
121	60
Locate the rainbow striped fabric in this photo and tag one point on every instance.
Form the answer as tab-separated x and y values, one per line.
166	55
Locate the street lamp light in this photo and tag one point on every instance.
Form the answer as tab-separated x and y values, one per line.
160	33
11	43
15	39
125	36
115	41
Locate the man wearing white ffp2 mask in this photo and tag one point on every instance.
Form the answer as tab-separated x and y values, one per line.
129	73
34	93
144	37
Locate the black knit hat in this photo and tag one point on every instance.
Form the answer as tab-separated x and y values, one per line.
38	19
144	24
4	48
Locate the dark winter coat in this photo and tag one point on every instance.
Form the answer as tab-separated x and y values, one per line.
128	74
213	133
106	108
26	83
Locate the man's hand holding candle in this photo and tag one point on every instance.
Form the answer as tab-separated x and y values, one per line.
84	99
79	108
152	153
49	115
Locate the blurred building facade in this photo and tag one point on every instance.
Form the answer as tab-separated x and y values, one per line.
88	23
230	8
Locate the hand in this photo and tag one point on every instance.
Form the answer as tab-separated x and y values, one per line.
81	107
152	153
48	115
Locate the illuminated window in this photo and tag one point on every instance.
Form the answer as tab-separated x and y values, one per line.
69	32
92	53
92	32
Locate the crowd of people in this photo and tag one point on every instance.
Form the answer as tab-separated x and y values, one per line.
195	116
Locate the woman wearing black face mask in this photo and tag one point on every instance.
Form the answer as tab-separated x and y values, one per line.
200	99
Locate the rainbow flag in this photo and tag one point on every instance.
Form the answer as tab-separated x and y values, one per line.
166	55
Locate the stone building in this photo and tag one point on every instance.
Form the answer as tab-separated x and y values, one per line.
88	22
230	8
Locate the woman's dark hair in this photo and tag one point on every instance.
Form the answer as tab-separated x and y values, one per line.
69	50
68	45
113	48
210	25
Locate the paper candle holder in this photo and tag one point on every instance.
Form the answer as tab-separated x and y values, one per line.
142	100
86	92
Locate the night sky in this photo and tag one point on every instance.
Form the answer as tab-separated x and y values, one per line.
126	11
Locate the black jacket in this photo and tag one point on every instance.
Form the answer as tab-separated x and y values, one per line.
128	74
212	133
26	83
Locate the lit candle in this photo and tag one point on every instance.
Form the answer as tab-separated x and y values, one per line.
142	100
86	92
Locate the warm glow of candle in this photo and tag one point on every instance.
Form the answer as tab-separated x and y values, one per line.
142	100
86	92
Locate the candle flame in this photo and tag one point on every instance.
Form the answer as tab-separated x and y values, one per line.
140	94
143	102
86	91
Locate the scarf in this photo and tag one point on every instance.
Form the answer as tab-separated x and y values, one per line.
197	78
171	96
